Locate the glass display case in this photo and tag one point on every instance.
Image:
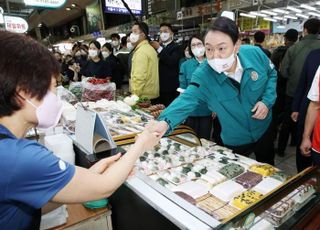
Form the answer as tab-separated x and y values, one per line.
182	185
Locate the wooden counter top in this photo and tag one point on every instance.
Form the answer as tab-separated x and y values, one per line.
78	213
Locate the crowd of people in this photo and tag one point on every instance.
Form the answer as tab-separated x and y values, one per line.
161	70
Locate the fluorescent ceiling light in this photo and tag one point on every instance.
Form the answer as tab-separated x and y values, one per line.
294	9
318	3
248	15
278	18
302	16
281	27
281	11
258	14
290	16
269	19
308	7
314	14
269	12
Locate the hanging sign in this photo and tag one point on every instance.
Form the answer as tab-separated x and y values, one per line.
1	16
45	3
15	24
117	7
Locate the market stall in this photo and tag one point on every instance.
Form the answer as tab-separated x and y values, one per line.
191	184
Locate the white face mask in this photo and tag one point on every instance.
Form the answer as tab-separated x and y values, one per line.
77	54
134	38
93	53
222	64
198	52
115	44
130	46
105	54
165	37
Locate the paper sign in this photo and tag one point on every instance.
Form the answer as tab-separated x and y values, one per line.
91	132
45	3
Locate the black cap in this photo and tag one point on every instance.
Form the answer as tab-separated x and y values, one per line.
291	35
144	28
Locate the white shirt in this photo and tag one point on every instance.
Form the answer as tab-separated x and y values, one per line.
313	94
237	75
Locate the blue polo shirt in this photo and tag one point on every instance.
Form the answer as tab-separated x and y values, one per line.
233	106
30	176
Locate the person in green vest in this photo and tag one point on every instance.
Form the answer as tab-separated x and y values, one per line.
239	84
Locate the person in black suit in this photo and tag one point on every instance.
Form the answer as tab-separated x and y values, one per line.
259	37
301	102
169	54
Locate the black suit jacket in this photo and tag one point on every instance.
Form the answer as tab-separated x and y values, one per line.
300	101
169	59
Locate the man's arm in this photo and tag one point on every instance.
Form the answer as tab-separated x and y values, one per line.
310	122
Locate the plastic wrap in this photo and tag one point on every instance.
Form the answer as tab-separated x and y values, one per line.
96	89
76	88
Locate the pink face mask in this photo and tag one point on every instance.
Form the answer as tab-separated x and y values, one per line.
49	112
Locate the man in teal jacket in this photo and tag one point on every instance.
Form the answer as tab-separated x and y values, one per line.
239	84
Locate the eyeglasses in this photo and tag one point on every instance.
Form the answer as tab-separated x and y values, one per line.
199	45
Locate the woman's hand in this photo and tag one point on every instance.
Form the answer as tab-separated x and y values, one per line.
150	136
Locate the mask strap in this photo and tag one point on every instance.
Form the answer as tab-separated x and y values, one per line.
33	105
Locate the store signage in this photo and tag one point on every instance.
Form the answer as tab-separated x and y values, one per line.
45	3
1	16
15	24
298	25
117	7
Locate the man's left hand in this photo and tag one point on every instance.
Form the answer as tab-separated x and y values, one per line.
155	44
260	111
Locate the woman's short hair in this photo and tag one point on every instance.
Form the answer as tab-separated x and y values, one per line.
25	65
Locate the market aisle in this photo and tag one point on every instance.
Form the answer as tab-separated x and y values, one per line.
286	163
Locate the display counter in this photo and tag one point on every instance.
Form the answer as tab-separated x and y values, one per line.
145	202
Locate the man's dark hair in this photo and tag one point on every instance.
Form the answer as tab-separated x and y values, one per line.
115	35
259	37
24	65
227	26
143	27
167	25
312	26
246	40
291	35
124	41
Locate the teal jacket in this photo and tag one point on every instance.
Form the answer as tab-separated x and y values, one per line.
233	108
186	70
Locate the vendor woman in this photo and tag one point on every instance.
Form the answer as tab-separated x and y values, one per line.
30	175
239	84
